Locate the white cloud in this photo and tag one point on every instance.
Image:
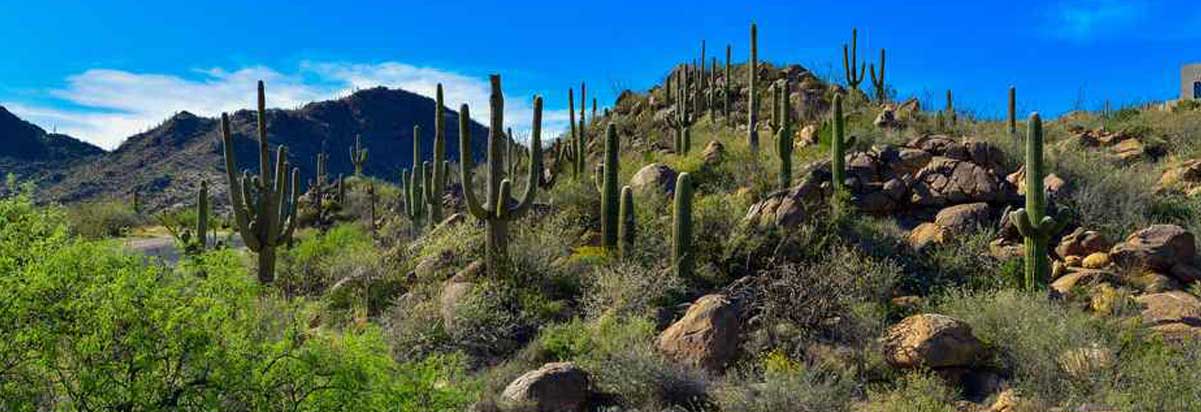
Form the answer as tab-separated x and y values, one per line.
113	104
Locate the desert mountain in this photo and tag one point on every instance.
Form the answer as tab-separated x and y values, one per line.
27	150
166	163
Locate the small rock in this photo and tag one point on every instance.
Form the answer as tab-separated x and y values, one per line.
931	340
1084	278
555	387
1097	260
1073	261
714	153
963	218
1082	243
926	234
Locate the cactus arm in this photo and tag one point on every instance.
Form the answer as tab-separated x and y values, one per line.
465	165
237	190
289	218
752	98
531	187
837	151
264	151
1022	221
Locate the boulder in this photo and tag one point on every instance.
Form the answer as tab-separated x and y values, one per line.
808	136
714	152
1170	307
707	335
1129	150
788	208
887	119
926	234
963	218
1096	260
555	387
1159	247
1184	178
1082	278
654	178
931	341
1053	185
1082	243
946	180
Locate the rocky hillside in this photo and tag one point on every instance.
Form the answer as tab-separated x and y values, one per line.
29	150
165	164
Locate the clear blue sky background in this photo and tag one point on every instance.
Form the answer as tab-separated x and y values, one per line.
67	62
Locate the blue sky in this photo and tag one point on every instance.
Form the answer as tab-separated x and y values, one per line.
105	70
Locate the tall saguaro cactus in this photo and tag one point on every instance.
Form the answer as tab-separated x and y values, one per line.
752	137
264	212
782	122
951	109
878	81
496	211
609	195
838	152
435	186
681	230
850	62
413	184
202	215
1032	221
681	120
358	156
321	180
627	223
1013	105
725	95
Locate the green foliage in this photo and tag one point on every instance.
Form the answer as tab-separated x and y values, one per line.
916	392
787	386
104	218
126	335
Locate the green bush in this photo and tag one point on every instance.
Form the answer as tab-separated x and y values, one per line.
915	392
801	389
90	327
98	219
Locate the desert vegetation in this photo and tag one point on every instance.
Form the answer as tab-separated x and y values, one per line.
852	251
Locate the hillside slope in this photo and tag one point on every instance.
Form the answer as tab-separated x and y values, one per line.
165	164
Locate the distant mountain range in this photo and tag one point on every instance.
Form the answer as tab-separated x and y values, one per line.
27	150
166	164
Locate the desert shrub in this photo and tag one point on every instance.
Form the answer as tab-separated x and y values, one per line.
619	354
1029	336
97	219
795	388
1102	196
964	262
1152	375
322	260
627	289
915	392
807	296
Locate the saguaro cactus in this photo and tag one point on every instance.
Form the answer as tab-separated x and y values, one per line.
626	231
782	122
1032	221
951	109
578	146
752	137
878	81
496	212
358	156
202	215
412	184
435	186
850	62
837	151
264	217
681	229
609	195
725	95
681	120
710	90
319	187
1013	105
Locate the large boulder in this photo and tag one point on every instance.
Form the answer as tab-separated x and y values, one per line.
707	335
963	218
1175	315
655	178
1163	248
555	387
931	341
788	208
946	180
456	290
